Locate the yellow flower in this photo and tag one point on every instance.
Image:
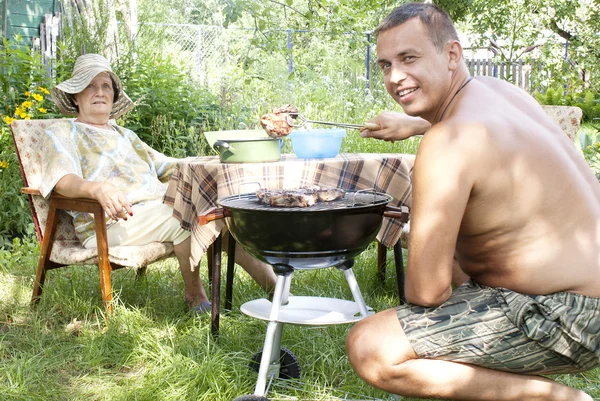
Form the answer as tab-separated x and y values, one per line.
27	104
18	111
42	110
3	164
27	93
22	115
27	117
38	97
8	120
43	90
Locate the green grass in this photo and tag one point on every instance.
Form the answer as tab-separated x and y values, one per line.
151	349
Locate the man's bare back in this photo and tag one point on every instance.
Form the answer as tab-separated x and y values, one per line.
531	222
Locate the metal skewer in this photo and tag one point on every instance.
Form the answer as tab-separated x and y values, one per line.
304	121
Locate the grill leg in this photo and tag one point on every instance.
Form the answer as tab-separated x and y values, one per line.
353	284
269	362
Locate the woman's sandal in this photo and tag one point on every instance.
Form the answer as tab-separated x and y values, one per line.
202	308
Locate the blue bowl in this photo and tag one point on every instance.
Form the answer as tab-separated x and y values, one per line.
317	143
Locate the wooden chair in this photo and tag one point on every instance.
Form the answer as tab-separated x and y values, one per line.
55	230
569	119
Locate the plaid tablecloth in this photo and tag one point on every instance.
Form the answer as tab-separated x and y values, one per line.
198	183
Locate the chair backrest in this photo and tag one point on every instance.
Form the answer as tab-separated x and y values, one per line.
27	135
568	117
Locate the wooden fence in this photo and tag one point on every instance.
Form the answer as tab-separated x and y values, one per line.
46	43
517	72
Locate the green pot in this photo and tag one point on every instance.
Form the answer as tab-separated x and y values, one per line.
253	150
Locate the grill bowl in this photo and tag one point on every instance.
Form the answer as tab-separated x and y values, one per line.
326	234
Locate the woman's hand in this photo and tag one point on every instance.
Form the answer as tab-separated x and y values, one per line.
113	201
394	126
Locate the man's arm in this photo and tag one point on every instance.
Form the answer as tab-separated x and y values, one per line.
442	182
113	201
395	126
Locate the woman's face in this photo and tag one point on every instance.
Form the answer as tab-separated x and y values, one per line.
96	101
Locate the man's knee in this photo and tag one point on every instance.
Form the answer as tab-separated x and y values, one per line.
375	352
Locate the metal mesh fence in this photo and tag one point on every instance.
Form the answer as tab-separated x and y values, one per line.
217	51
219	54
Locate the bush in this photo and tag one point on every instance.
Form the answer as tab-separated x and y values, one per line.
24	81
588	101
172	110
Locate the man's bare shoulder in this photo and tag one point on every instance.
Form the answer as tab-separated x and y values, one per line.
456	136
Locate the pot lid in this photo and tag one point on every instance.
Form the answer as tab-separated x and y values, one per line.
248	134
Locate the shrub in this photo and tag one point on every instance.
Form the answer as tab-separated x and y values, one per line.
588	101
24	81
171	109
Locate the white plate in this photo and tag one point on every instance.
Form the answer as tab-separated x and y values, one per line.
308	311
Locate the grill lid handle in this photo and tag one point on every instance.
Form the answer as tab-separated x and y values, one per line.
216	214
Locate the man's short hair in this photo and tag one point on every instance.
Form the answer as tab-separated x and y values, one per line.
436	21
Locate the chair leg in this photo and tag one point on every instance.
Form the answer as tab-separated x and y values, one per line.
210	261
230	270
141	272
45	251
399	270
381	260
104	266
216	286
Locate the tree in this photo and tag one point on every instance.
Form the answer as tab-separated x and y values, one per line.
566	32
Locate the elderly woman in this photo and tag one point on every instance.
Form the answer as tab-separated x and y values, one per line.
92	157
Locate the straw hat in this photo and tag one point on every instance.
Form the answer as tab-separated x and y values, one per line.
86	68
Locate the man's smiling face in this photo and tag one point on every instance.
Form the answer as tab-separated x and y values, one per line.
415	73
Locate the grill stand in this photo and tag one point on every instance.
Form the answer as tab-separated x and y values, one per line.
270	360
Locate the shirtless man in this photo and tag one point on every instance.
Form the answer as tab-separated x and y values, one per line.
501	195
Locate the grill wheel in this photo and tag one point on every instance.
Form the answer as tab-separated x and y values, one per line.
289	365
251	398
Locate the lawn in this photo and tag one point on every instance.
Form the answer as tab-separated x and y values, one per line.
152	349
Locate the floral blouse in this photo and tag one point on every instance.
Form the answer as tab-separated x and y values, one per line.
115	156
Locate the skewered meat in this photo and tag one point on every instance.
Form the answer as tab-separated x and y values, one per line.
302	197
276	123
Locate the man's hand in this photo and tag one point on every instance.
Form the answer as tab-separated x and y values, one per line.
395	126
113	201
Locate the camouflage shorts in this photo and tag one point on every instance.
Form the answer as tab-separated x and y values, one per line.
503	330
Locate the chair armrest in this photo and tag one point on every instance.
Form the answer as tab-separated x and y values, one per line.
30	191
64	203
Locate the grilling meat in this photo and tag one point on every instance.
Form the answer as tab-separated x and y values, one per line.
302	197
329	194
276	123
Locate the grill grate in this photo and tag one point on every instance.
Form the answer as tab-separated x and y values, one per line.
351	200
